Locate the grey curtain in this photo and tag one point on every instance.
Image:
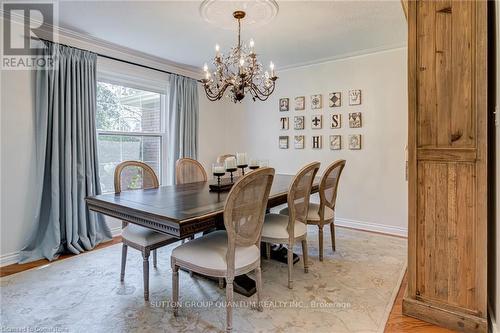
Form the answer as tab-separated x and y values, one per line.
182	117
67	167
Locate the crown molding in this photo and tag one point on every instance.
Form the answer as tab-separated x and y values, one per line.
91	43
344	56
97	45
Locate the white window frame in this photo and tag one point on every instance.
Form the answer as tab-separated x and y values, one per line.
147	85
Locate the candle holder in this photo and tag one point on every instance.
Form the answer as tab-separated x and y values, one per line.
218	175
231	170
242	167
253	167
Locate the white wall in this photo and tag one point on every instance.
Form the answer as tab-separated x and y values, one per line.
373	190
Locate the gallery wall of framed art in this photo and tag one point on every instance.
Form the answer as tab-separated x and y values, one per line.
359	106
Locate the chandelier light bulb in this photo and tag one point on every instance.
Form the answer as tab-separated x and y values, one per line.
242	61
217	48
252	43
205	67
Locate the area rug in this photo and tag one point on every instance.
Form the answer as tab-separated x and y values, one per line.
352	290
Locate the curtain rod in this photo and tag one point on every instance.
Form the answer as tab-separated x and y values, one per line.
113	58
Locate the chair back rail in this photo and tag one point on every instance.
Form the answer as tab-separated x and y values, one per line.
328	186
245	209
298	196
188	170
134	175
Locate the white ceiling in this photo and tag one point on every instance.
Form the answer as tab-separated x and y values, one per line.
303	32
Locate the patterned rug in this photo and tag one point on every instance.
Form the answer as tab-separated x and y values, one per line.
352	290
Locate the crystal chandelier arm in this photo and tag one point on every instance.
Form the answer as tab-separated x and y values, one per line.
262	96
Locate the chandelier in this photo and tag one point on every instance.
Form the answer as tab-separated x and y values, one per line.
238	72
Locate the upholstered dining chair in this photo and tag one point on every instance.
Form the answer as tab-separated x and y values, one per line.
135	175
291	228
324	213
188	170
222	158
235	251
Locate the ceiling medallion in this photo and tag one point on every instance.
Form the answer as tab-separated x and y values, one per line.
238	72
219	12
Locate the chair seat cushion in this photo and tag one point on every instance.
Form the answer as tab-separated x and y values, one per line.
313	212
275	226
209	252
143	236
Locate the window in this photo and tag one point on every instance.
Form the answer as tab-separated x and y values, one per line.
129	127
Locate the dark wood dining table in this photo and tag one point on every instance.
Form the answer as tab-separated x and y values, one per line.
179	210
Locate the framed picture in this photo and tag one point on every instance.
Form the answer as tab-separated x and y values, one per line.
298	142
284	104
355	120
299	122
316	101
354	141
300	103
335	142
316	121
336	120
283	142
284	123
335	99
316	141
355	97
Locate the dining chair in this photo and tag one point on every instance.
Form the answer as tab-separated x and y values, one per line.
324	213
291	228
188	170
234	251
135	175
222	158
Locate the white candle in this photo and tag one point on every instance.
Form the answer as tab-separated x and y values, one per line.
230	163
254	163
219	169
242	158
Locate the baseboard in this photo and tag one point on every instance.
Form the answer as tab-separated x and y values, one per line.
457	321
9	259
369	226
13	257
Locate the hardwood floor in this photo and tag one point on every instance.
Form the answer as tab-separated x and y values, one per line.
397	323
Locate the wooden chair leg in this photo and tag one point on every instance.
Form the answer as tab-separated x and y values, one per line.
155	259
124	262
268	251
290	265
258	282
175	288
145	273
229	304
332	232
305	255
320	236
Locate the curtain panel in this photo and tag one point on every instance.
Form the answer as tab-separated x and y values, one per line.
67	165
182	118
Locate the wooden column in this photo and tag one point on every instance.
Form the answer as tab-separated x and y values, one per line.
447	73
